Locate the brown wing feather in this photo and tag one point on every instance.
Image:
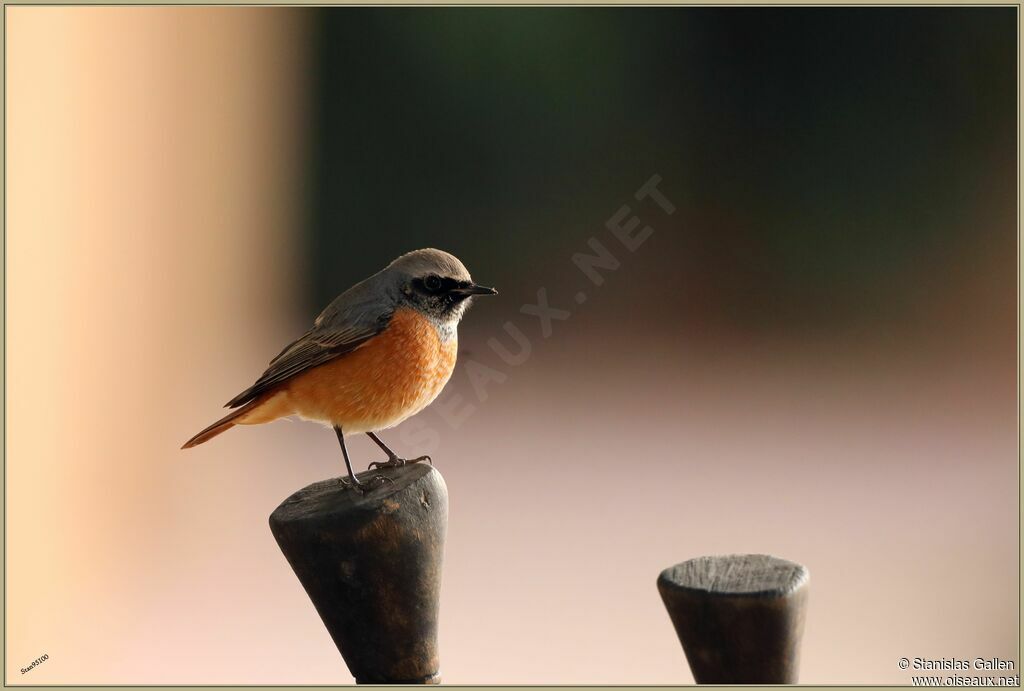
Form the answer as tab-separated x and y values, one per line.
353	318
316	347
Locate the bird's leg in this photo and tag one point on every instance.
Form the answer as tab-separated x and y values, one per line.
393	459
352	481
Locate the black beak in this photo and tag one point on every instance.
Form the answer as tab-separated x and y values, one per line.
473	289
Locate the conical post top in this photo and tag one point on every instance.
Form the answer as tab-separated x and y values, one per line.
371	563
739	618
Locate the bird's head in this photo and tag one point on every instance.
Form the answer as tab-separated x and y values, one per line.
436	284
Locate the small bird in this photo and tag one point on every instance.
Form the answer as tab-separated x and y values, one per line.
378	354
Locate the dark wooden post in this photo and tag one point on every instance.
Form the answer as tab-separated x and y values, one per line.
371	564
740	618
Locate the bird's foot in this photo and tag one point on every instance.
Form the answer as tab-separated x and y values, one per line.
365	485
396	462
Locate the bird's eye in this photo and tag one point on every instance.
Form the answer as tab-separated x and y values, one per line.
432	283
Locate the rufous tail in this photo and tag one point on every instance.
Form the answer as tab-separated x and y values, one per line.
222	425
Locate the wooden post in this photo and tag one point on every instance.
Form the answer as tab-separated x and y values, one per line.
371	564
740	618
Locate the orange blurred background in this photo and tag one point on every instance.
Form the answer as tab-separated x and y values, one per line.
159	181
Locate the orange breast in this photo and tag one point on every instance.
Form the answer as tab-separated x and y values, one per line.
394	375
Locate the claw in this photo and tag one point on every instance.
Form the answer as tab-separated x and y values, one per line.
396	462
390	463
366	485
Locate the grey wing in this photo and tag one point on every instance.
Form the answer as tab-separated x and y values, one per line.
341	328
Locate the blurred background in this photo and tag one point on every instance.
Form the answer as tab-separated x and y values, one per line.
814	356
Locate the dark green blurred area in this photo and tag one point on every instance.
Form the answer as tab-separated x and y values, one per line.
828	164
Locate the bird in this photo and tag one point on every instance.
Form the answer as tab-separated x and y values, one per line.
378	354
